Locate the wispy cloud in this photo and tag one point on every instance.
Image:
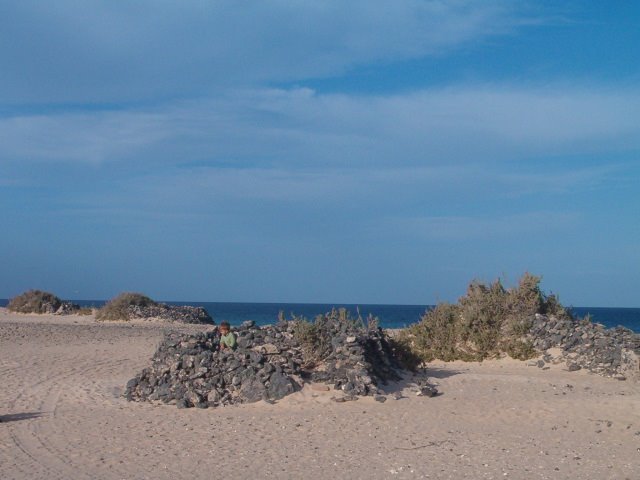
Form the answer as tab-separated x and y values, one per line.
161	133
301	128
97	51
81	137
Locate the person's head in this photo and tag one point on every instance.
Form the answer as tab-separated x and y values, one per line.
224	328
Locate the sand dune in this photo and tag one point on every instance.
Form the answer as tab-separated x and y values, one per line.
63	417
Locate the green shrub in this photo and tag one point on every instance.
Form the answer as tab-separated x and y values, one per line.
34	301
315	337
403	351
519	349
118	308
488	321
552	306
436	335
306	335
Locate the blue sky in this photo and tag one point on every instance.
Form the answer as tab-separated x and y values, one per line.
347	152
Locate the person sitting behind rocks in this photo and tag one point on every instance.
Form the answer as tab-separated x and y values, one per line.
227	337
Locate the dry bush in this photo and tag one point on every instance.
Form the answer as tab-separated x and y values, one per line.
488	321
519	349
35	301
118	308
315	337
306	335
553	307
439	334
403	351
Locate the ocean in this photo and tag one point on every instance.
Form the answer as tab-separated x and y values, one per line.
390	316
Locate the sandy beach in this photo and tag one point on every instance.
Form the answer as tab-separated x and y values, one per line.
63	416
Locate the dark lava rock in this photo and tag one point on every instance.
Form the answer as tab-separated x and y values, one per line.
253	390
428	391
171	313
356	359
613	352
280	385
67	308
268	364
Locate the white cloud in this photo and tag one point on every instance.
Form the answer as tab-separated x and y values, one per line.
384	199
298	128
112	51
85	137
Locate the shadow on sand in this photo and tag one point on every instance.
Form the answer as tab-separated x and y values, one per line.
412	381
16	417
441	372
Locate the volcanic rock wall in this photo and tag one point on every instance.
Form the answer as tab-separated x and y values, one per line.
191	370
171	313
581	344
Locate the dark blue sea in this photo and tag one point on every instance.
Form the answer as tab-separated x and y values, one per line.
390	316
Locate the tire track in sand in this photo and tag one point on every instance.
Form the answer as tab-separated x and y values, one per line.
37	438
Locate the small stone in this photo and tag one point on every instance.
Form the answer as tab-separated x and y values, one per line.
213	396
193	398
380	398
252	391
131	384
427	391
280	386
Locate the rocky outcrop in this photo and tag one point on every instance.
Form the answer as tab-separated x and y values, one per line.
191	371
37	301
171	313
358	359
581	344
67	308
269	363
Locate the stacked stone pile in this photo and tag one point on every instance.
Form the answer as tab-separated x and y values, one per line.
357	359
37	301
66	308
50	306
191	370
610	352
268	364
171	313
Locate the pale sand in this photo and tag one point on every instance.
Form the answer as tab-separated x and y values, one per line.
63	418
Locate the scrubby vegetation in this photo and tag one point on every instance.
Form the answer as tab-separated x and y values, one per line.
404	351
119	308
35	301
135	306
315	336
487	321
